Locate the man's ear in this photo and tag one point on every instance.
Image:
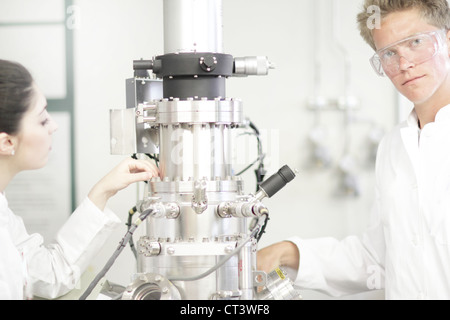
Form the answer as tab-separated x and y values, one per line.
6	144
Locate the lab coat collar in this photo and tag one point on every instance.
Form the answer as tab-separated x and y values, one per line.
443	115
3	201
413	121
411	133
3	206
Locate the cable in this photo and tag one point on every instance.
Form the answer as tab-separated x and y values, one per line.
134	209
224	260
257	232
260	172
151	156
260	158
131	212
116	253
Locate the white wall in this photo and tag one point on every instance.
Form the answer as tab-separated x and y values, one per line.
284	31
111	34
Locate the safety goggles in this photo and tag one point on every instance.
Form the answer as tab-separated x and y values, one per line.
416	49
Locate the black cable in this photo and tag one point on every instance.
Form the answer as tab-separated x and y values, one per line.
251	164
238	248
263	228
134	209
151	156
260	172
110	262
131	212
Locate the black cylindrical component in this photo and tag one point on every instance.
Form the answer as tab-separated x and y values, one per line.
143	64
196	88
194	64
277	181
194	75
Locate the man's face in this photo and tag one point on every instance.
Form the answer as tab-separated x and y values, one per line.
418	82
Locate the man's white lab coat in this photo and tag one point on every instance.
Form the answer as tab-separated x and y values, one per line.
406	247
27	267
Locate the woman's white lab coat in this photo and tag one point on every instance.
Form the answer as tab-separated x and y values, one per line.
28	268
406	247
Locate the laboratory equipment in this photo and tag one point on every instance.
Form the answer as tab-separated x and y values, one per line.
201	229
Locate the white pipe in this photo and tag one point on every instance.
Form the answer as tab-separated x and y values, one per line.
193	26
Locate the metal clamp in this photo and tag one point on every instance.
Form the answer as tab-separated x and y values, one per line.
142	113
150	286
199	199
169	210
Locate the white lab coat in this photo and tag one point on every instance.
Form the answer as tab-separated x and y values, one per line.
28	268
406	247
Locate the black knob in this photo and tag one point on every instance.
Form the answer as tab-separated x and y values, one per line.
277	181
208	63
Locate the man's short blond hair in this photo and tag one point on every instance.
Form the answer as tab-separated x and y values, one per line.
435	12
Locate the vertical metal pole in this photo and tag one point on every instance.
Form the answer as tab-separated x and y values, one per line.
193	26
245	271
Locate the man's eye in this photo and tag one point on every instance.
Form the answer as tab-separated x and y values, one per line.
416	42
387	55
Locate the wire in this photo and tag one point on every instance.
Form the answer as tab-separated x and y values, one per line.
134	209
260	172
151	156
263	228
228	257
129	223
260	158
116	253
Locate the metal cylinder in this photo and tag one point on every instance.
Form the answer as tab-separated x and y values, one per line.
195	138
190	225
279	287
193	26
191	152
246	270
198	215
258	66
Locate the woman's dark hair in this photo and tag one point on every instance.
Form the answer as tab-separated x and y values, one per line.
16	94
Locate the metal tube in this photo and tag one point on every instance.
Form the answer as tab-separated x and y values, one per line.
193	26
246	271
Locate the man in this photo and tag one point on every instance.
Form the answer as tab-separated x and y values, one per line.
407	243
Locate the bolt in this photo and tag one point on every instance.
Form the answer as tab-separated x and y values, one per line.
228	249
208	63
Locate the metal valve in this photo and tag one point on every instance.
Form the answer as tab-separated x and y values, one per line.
199	199
251	206
158	209
276	182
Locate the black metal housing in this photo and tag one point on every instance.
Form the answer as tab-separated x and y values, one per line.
191	75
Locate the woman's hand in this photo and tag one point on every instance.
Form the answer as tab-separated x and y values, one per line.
127	172
283	253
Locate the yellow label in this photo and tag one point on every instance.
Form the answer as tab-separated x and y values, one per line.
280	273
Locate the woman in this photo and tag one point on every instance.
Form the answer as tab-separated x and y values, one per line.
27	267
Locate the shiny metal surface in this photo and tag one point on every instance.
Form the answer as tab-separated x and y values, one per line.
187	241
193	26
